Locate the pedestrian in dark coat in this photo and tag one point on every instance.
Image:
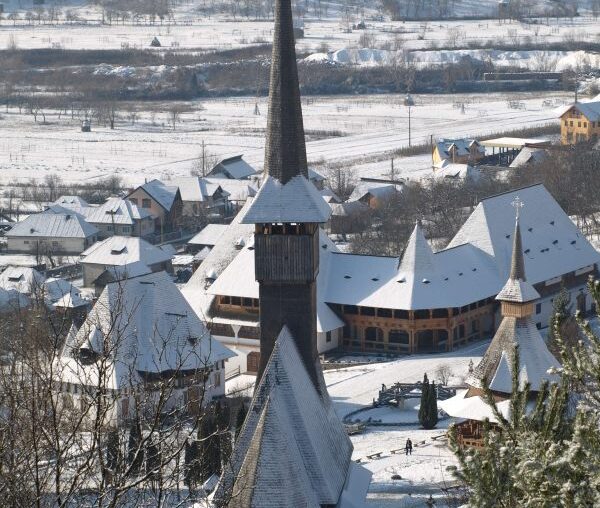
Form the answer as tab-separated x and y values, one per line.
408	447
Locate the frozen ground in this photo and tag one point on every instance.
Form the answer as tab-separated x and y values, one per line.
424	472
193	31
360	132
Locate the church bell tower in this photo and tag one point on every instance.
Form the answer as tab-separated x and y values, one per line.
286	212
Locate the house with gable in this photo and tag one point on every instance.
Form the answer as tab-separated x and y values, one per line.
579	121
141	332
459	151
162	201
234	168
128	253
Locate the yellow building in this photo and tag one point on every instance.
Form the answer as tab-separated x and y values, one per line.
580	122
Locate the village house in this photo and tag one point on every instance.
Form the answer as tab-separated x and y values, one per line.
162	201
460	151
116	216
52	234
202	198
374	192
419	302
122	251
234	168
145	332
580	122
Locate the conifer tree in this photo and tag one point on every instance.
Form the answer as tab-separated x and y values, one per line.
113	450
191	465
433	416
424	406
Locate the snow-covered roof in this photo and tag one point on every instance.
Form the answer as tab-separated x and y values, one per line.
473	408
164	195
197	189
209	235
462	147
71	201
447	169
459	275
53	225
591	110
552	244
348	208
376	189
514	143
115	211
298	200
535	360
329	196
12	300
124	250
233	167
20	278
146	326
529	155
61	293
238	190
292	449
315	175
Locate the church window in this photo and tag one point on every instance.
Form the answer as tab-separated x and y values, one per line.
372	333
384	312
328	336
538	308
398	337
146	203
422	314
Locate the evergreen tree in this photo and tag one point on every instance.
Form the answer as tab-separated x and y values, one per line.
432	413
533	458
424	406
240	418
135	452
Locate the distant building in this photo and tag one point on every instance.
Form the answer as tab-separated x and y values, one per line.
528	156
238	191
121	251
52	234
461	151
235	168
162	201
373	192
579	122
160	337
116	216
201	197
454	171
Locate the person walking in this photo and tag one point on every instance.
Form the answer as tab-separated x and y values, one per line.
408	447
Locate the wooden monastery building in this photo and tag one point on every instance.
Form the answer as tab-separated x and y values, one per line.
422	301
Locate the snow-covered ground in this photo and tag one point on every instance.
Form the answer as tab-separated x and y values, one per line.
371	127
423	473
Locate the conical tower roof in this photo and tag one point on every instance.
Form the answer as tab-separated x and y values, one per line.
417	260
285	150
517	289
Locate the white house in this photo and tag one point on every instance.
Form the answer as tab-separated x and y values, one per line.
122	251
142	331
52	233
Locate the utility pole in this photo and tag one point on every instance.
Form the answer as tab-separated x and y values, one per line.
409	103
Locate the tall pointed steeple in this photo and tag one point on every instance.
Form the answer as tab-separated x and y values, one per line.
517	289
285	149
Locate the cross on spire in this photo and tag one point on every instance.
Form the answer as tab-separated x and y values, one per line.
517	203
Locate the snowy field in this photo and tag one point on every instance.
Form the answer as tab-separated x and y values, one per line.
190	31
424	472
358	131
